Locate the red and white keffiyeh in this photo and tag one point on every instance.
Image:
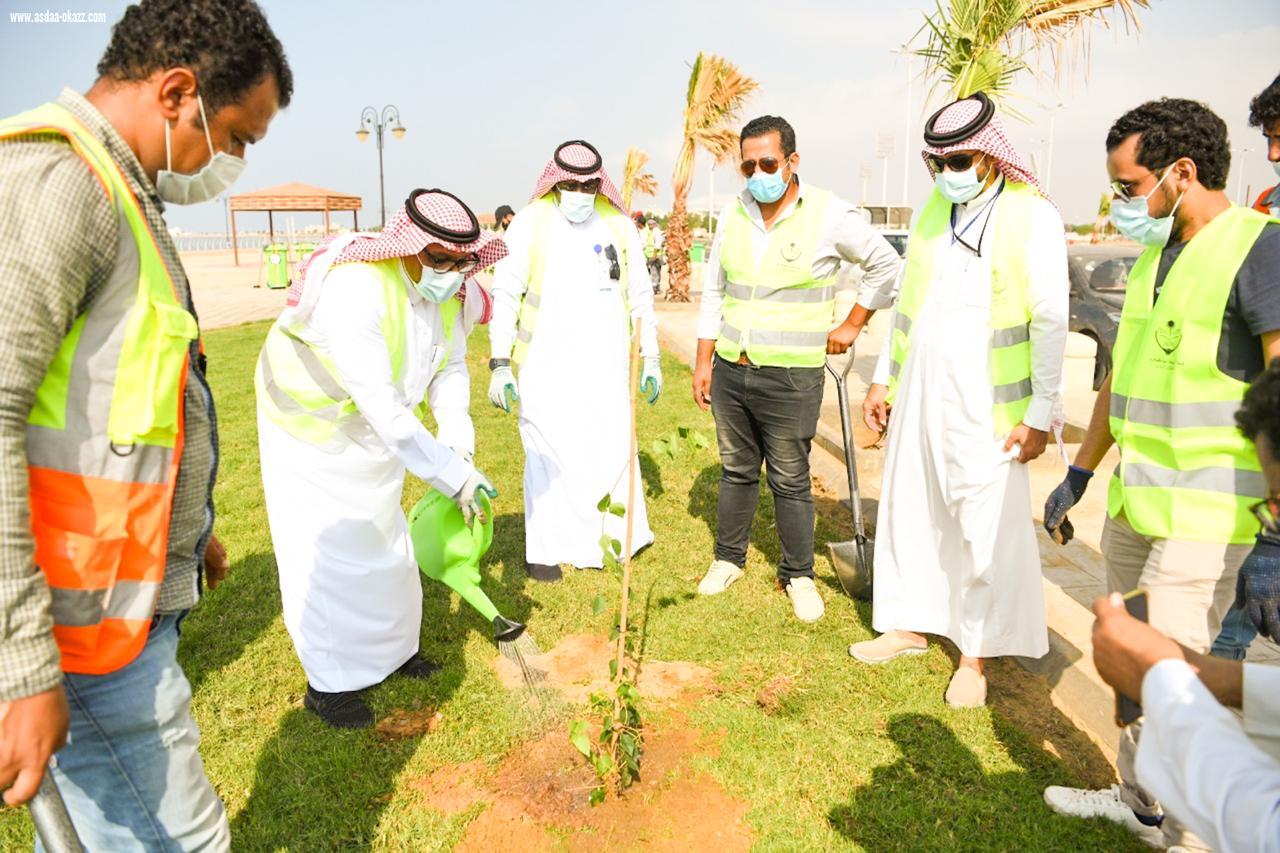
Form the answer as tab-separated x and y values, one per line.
990	139
455	228
577	160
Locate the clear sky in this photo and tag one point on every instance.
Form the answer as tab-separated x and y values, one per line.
488	89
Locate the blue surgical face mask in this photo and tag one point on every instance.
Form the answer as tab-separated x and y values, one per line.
1276	166
959	187
766	188
577	207
1133	218
437	286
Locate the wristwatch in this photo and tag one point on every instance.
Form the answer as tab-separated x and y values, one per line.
495	363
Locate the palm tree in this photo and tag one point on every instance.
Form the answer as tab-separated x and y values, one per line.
633	179
981	45
716	93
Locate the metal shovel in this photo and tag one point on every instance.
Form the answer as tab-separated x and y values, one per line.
852	560
53	823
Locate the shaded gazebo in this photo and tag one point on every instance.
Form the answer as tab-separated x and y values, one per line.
292	197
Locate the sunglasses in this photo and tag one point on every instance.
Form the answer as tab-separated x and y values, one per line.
1128	190
447	265
591	186
768	165
955	162
1267	511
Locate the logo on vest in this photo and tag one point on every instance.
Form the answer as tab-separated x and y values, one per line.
1168	337
791	252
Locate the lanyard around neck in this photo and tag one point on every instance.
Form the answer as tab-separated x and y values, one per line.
958	236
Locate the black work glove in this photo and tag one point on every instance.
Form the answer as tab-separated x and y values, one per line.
1259	595
1063	498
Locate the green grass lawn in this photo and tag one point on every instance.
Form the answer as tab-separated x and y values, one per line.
850	757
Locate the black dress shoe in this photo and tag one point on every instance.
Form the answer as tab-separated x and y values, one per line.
543	572
345	710
418	667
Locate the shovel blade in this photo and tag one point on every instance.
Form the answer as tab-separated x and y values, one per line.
852	562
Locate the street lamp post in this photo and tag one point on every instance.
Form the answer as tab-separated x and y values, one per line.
371	119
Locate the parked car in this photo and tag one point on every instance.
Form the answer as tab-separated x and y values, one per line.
1098	275
897	238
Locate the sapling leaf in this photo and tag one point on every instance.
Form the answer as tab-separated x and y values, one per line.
597	796
658	447
597	605
616	546
684	432
603	764
579	738
618	509
605	539
701	441
604	502
613	668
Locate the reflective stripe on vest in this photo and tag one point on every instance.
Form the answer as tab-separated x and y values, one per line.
1010	363
299	387
775	309
104	437
543	211
1185	470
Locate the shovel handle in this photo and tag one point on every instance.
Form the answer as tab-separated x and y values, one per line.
846	430
53	822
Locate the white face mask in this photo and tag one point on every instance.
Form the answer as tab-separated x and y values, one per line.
577	207
213	178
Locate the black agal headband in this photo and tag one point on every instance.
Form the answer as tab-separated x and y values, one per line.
952	137
468	235
578	170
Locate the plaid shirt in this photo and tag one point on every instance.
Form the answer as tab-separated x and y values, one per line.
58	249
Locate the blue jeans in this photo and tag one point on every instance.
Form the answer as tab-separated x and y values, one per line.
131	772
1237	632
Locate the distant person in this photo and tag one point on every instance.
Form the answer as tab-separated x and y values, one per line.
376	330
502	217
970	378
1201	320
653	240
567	301
764	331
1258	587
1264	114
107	426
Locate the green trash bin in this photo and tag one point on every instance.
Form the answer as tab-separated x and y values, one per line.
276	258
302	250
698	253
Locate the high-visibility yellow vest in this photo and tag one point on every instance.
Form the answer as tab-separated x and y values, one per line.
650	244
1185	471
1010	362
775	310
299	387
104	438
543	211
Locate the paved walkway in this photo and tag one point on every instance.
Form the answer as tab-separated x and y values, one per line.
1074	576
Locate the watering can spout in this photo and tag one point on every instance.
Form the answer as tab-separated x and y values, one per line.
506	631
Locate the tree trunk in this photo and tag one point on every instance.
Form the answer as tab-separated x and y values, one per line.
677	246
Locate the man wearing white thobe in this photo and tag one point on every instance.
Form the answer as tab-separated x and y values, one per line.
375	324
977	387
567	300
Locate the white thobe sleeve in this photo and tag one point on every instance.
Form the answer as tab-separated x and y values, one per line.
640	295
450	395
1050	298
884	361
856	242
1194	757
349	315
713	284
1262	700
510	280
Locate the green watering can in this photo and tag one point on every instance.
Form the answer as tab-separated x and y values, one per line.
449	551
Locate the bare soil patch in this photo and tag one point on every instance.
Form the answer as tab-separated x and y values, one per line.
579	666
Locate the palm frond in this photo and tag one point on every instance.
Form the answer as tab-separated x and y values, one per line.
982	45
634	180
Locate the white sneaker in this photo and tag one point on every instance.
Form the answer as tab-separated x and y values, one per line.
805	599
1083	802
719	577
